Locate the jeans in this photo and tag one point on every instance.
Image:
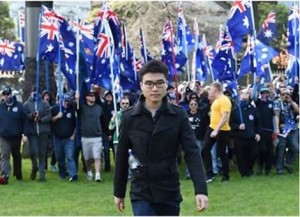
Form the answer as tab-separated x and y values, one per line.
290	142
10	146
64	150
222	140
38	150
145	208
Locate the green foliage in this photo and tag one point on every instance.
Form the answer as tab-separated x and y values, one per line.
6	23
255	196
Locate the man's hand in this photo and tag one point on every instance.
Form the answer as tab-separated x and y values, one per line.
202	202
120	203
214	133
257	137
242	127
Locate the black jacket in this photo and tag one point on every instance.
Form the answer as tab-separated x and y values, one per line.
156	142
12	120
251	120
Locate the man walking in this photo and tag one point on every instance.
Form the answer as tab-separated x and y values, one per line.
12	119
154	129
37	129
218	131
64	125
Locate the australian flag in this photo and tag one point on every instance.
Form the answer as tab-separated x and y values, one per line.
293	31
11	56
200	63
264	53
292	71
21	22
145	54
268	29
184	37
247	64
114	23
68	53
289	125
49	34
224	63
171	53
127	57
104	58
239	22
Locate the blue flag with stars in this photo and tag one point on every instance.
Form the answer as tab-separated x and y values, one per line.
239	22
293	31
268	30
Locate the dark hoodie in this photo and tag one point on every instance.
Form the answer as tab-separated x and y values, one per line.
41	127
51	103
12	119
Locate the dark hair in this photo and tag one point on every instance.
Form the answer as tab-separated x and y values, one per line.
154	66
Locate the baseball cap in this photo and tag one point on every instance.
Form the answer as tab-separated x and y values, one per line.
6	90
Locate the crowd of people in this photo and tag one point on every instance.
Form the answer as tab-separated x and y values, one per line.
259	124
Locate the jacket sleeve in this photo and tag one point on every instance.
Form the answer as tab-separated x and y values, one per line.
234	121
192	155
121	167
46	116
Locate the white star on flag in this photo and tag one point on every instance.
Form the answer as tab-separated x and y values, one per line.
246	22
268	33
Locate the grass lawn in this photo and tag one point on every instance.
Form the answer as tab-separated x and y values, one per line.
255	196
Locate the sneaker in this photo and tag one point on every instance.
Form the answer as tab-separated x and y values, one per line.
3	180
53	168
73	178
98	177
89	176
209	179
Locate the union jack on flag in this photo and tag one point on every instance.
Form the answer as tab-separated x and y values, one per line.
86	29
107	13
52	16
102	46
6	47
21	23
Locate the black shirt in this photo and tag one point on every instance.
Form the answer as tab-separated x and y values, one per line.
65	126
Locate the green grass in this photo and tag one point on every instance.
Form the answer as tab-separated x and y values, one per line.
256	196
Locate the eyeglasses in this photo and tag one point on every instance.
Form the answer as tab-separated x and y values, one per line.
150	84
193	104
91	95
285	94
6	94
193	97
125	103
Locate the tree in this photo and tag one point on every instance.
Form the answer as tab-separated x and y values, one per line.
6	23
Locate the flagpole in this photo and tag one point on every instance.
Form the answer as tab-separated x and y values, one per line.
38	72
47	74
196	33
77	54
59	80
111	51
254	41
144	45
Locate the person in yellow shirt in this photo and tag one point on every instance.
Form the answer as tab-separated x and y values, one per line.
218	131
